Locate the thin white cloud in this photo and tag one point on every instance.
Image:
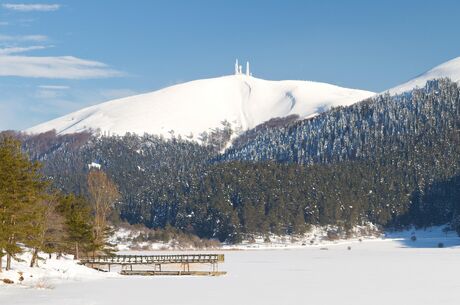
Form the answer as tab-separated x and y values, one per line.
15	50
48	94
54	87
31	7
51	91
58	67
36	38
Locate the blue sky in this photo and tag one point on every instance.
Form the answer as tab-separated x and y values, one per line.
60	56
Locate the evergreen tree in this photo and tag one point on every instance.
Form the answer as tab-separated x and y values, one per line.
21	188
78	222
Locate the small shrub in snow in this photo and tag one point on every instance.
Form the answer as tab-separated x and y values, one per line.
324	248
440	245
139	247
332	235
145	247
8	281
43	284
349	248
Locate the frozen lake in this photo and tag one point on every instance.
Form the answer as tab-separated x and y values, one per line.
372	272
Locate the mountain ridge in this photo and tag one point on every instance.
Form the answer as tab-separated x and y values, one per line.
194	107
449	69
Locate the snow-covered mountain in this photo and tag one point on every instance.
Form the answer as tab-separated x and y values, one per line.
450	69
191	108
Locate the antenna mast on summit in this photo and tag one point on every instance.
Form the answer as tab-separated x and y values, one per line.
239	68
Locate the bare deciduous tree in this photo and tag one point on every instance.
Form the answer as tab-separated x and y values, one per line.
49	225
104	193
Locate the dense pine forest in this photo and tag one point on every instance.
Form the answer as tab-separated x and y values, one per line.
390	160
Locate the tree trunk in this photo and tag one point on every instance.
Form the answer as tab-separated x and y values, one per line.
1	263
77	256
8	262
33	261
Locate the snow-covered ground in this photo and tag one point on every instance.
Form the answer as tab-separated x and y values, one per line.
316	236
197	106
127	238
391	270
51	272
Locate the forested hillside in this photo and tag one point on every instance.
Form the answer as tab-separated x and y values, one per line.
366	130
391	160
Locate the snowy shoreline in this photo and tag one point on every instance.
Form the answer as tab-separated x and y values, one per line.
316	237
127	240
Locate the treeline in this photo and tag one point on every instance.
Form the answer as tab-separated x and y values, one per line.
36	215
391	160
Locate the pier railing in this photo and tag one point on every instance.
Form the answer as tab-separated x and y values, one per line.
154	259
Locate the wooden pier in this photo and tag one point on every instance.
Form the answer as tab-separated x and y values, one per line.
155	264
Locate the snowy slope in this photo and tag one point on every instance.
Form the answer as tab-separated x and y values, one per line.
193	107
450	69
